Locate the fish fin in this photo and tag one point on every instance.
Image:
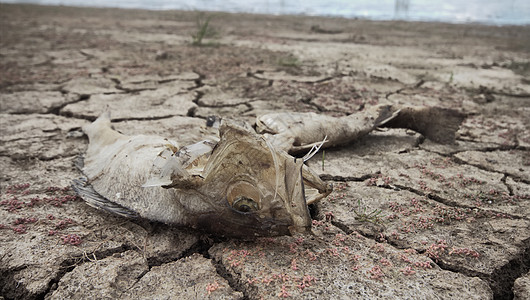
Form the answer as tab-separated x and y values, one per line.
170	167
314	188
280	141
79	162
84	190
101	122
100	132
278	123
435	123
314	149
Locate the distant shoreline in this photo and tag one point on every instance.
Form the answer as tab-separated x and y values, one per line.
382	13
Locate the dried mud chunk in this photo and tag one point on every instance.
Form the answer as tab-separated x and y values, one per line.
162	102
288	77
174	280
467	240
496	79
390	72
90	86
152	82
32	101
104	279
215	97
232	111
427	174
502	130
185	130
512	162
458	146
37	135
521	288
333	265
63	57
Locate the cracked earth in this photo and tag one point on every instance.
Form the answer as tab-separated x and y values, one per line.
408	218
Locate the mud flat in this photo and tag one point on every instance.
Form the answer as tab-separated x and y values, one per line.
409	218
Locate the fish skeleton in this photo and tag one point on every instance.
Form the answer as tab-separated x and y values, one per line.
238	186
242	185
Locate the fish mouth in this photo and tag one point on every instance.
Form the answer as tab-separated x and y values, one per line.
295	200
300	217
248	225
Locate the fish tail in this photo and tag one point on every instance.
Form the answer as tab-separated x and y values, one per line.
101	122
84	190
437	124
100	132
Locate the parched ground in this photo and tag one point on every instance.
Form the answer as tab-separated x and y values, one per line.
409	218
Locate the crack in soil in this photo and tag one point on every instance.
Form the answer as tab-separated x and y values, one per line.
235	283
508	187
522	95
485	149
118	85
319	108
200	247
488	169
405	87
87	55
18	290
501	281
449	202
115	120
329	177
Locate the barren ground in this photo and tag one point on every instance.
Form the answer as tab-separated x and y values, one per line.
409	218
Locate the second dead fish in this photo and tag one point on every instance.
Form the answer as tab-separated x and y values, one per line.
298	132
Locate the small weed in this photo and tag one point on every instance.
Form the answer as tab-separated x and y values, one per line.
204	30
373	217
289	61
323	159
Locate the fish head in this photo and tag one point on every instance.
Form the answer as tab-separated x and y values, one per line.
252	188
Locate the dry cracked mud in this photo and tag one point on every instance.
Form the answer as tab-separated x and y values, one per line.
408	218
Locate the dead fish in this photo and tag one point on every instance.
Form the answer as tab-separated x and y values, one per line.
238	186
295	132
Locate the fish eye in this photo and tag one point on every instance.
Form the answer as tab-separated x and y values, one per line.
244	204
243	197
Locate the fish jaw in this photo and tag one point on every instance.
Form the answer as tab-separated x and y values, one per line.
295	202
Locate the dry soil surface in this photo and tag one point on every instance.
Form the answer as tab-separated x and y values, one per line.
409	218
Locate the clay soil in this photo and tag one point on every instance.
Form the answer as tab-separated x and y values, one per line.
408	218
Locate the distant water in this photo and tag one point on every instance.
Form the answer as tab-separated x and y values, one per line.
497	12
